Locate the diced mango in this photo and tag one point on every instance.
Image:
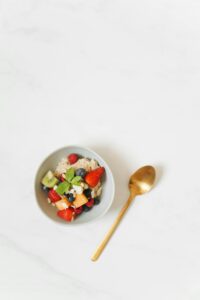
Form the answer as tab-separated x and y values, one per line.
80	200
62	204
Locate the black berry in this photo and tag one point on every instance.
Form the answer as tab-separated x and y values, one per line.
86	208
87	193
81	172
96	201
70	197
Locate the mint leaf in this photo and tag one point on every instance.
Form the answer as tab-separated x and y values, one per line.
63	187
70	174
76	180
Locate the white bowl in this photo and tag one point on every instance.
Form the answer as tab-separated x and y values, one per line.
51	162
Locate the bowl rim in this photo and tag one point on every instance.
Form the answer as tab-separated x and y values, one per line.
74	223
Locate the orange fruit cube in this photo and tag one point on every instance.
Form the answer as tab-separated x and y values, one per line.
80	200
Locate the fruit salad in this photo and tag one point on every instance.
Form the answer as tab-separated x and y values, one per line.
74	187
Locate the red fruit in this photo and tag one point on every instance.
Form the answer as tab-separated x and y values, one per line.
66	214
53	196
90	202
62	178
100	171
72	158
92	178
78	210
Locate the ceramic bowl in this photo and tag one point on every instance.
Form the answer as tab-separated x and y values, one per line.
51	162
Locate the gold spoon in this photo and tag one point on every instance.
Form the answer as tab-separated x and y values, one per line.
140	182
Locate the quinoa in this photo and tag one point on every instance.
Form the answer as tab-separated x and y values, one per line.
62	166
84	163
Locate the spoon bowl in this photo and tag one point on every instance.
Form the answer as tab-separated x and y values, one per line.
142	180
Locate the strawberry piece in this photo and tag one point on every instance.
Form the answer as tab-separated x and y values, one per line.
90	203
92	178
72	158
100	171
53	196
66	214
78	210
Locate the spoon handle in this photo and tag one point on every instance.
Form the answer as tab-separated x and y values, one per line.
107	237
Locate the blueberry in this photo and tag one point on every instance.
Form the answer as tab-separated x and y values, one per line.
96	201
45	188
70	197
86	208
81	172
87	193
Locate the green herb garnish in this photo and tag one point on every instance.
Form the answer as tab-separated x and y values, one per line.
76	180
63	187
70	174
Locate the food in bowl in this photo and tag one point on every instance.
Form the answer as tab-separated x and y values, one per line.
74	187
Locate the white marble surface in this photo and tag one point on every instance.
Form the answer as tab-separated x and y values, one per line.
121	77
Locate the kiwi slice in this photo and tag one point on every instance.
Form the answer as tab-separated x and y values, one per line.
49	180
